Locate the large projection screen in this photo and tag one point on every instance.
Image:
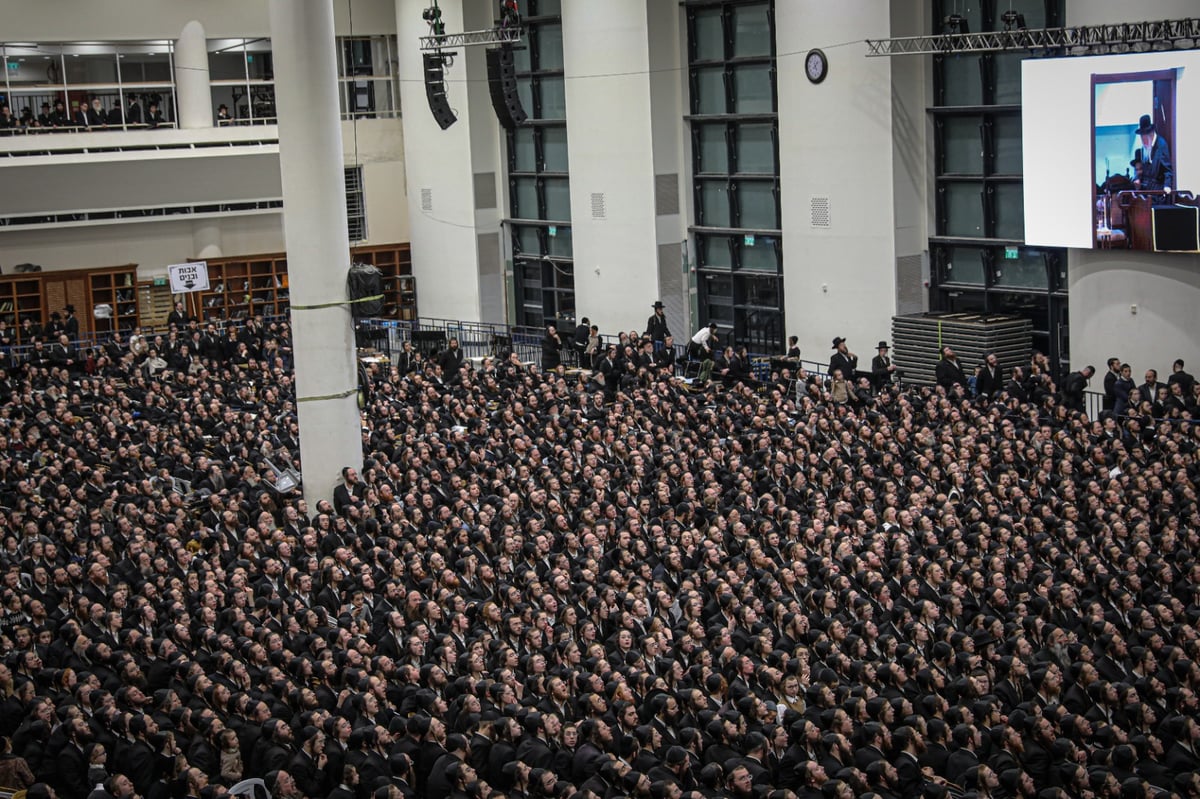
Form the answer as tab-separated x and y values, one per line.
1080	141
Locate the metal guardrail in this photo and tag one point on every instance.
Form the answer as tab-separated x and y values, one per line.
38	130
480	340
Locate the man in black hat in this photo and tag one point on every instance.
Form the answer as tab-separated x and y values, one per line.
1153	159
656	325
842	360
882	367
71	324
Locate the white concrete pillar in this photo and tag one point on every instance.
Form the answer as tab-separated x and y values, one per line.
611	151
193	94
440	165
206	239
318	246
840	277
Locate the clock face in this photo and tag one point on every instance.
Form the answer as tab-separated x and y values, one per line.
815	66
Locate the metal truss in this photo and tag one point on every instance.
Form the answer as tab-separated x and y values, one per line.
1122	37
472	38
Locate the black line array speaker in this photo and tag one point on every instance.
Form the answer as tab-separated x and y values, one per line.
435	90
502	80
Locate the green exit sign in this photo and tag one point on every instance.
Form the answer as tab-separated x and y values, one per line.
1010	254
748	240
552	230
160	281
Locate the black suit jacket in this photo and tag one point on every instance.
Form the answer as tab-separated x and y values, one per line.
70	772
534	752
847	365
989	381
1157	171
880	376
949	374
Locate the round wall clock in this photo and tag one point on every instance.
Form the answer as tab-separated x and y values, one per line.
816	66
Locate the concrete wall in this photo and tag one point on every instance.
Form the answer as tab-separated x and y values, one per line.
151	245
377	145
836	143
610	149
1104	286
439	162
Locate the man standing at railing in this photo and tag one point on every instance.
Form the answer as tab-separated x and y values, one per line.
154	117
656	325
842	360
1075	386
451	360
96	118
133	114
551	349
60	118
882	367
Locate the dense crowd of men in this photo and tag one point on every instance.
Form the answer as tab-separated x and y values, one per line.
548	584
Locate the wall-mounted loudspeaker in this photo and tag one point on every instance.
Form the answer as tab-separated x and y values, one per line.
502	80
435	90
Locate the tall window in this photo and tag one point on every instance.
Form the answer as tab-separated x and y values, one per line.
979	258
735	166
368	86
242	75
74	73
538	181
356	204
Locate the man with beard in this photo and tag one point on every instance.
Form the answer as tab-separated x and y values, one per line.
1009	746
910	781
71	770
838	753
882	779
724	734
1037	750
812	778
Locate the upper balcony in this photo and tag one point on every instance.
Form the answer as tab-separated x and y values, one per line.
42	147
91	133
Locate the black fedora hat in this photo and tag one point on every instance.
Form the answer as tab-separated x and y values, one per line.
836	341
658	304
1145	125
881	345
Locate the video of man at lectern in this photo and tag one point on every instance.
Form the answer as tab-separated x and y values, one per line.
1111	148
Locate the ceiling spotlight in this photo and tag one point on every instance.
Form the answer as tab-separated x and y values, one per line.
956	23
1013	19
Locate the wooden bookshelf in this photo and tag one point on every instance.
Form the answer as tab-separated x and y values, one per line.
257	285
37	295
117	288
241	288
21	298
